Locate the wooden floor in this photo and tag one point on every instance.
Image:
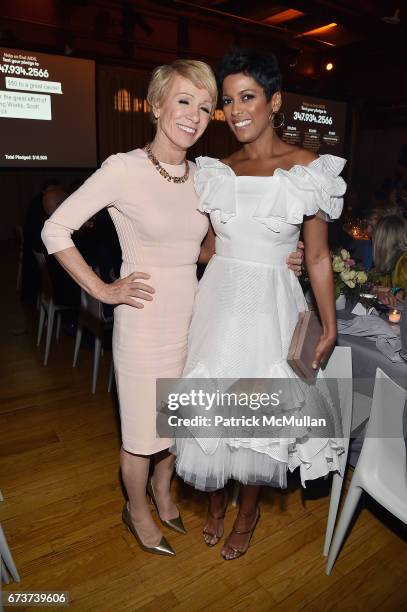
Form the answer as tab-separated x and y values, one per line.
61	515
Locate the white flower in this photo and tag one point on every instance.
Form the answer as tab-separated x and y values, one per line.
345	254
348	275
337	264
350	283
361	277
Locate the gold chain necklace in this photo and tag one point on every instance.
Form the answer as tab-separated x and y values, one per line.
163	171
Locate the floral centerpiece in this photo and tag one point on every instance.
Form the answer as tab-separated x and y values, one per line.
348	276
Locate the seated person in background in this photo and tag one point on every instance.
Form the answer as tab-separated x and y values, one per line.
52	197
390	256
39	209
66	290
372	219
99	245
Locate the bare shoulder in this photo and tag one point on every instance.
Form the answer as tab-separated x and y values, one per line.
303	157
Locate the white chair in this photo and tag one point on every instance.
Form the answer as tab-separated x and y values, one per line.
7	565
338	371
92	318
48	307
381	469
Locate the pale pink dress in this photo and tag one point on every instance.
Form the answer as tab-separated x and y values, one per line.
160	232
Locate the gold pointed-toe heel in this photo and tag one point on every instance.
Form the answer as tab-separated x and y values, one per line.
176	523
163	548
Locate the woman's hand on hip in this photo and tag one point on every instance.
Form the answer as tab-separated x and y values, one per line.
323	351
128	290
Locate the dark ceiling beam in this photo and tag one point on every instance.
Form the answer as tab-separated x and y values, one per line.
217	15
280	35
351	18
255	9
376	36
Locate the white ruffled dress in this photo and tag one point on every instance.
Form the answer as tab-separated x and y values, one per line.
245	313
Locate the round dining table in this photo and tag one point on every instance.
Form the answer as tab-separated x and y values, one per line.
366	358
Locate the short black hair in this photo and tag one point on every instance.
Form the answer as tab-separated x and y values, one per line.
262	67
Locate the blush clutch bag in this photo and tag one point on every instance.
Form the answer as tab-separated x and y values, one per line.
305	338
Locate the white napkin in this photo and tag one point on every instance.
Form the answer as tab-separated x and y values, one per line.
361	310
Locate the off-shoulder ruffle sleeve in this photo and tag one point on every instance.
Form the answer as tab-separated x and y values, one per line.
215	186
315	189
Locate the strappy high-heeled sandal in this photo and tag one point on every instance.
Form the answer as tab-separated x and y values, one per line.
219	517
239	552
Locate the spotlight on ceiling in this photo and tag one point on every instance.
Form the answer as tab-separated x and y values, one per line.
329	66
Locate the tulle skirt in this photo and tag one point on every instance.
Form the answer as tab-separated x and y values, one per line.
243	320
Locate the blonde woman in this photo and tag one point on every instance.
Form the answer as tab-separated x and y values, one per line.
150	196
390	254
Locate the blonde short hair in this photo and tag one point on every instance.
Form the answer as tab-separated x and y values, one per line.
199	73
389	242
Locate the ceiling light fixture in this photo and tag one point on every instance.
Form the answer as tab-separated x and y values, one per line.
393	19
283	17
318	31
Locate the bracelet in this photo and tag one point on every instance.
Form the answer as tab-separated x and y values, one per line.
395	290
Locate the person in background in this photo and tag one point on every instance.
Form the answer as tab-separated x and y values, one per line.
39	209
51	199
390	256
372	219
99	245
66	290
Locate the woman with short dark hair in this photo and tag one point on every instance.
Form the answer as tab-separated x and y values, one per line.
248	301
